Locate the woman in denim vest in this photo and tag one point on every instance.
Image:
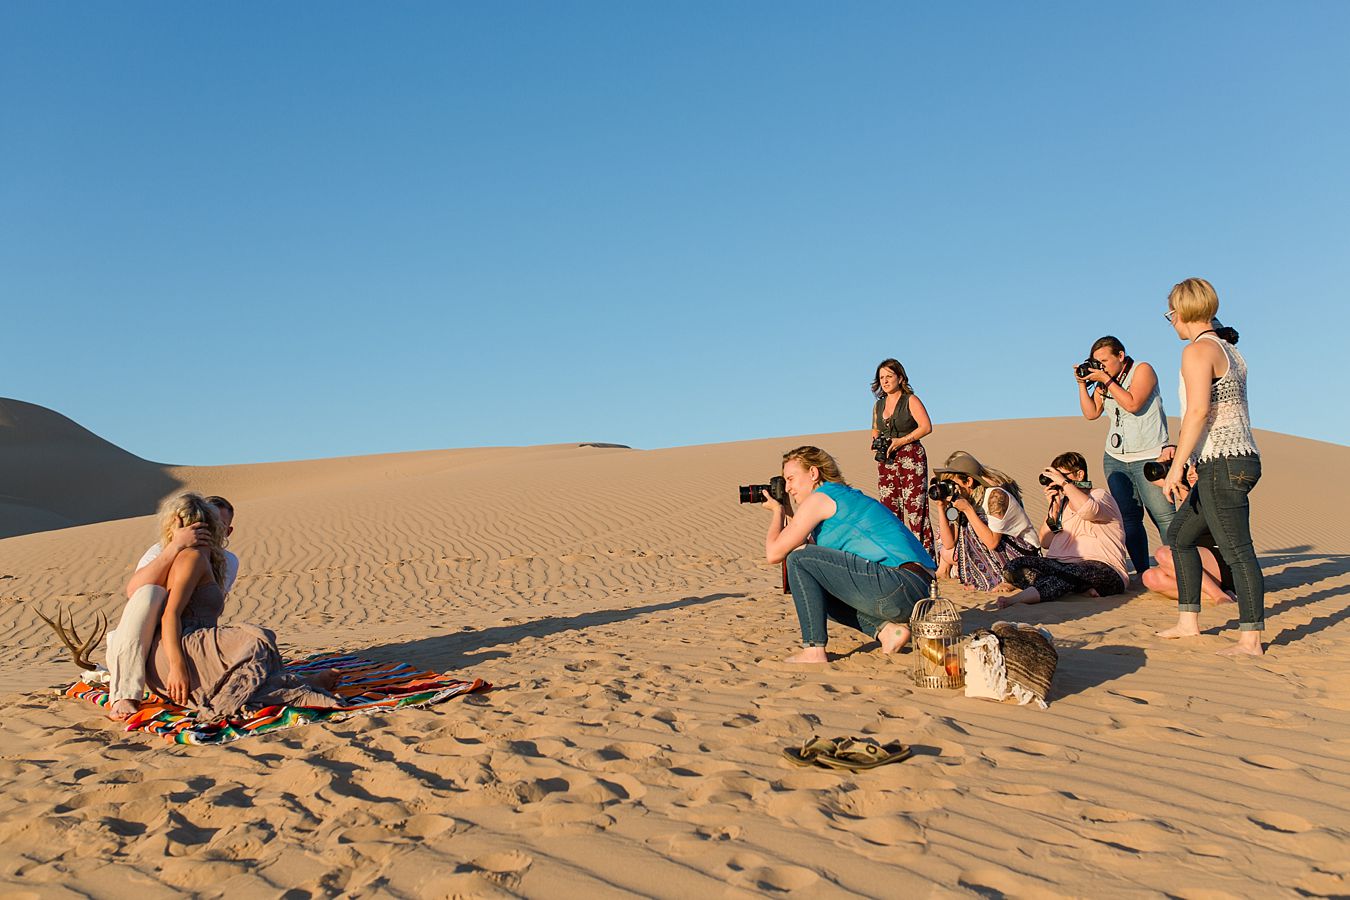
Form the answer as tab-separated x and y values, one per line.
1126	392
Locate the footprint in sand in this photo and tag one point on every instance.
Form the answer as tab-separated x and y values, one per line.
1274	820
1270	761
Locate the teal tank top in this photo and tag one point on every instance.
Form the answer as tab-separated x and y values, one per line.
863	527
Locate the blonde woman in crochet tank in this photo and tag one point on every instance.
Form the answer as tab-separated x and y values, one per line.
199	663
1216	439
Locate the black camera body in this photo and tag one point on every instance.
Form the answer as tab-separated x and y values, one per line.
880	447
1046	482
1087	367
943	490
1157	471
755	493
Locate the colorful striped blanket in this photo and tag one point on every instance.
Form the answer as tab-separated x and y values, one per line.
367	686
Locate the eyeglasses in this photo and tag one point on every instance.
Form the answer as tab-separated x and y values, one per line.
1169	314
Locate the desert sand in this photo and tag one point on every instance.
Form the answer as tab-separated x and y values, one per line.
619	602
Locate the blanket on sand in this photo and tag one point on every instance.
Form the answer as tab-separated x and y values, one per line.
367	687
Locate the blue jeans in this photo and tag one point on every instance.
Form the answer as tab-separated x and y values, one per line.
1134	493
849	589
1218	504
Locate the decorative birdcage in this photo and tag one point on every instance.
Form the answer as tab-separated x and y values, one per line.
935	629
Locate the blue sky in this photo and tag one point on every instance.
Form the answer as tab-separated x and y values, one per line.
244	232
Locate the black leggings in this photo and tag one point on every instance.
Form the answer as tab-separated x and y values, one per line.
1053	578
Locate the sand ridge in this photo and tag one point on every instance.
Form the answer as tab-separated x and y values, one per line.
619	600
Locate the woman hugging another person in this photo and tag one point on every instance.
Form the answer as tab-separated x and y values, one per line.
899	423
865	569
981	522
197	662
1083	541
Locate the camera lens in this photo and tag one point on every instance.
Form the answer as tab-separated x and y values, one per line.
1156	471
1043	479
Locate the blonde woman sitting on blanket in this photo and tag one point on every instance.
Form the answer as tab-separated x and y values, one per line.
981	522
195	661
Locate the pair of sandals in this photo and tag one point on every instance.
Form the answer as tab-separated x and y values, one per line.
851	753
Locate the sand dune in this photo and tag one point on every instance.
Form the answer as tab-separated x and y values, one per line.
618	600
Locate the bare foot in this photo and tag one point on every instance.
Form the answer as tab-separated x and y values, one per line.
1004	587
1226	597
1188	625
807	656
893	636
1091	592
123	710
1026	595
1249	644
326	680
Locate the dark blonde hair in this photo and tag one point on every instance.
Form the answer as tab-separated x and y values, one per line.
989	477
814	456
192	509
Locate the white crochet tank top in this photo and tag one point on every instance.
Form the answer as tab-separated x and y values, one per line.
1228	430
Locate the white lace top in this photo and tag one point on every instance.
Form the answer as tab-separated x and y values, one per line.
1228	429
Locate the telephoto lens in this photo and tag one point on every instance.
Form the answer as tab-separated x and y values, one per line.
943	490
1156	471
753	493
756	493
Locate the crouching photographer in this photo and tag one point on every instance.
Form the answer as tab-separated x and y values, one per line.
1111	383
1083	541
864	569
981	521
1216	576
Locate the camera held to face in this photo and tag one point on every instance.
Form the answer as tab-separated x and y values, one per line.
755	493
943	490
1046	482
881	446
1087	367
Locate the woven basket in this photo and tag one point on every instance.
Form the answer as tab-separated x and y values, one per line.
1030	658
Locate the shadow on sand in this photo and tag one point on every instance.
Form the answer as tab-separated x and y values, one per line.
452	652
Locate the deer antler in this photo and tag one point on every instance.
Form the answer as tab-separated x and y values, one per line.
81	653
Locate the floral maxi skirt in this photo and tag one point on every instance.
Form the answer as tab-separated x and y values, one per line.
902	482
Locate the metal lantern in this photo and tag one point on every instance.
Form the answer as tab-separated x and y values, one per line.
935	630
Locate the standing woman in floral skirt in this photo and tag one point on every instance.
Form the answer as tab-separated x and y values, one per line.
902	466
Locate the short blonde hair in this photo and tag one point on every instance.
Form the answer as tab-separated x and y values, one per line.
814	456
1194	300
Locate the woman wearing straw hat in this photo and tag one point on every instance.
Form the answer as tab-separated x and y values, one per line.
981	521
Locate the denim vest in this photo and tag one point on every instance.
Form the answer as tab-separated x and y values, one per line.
1143	431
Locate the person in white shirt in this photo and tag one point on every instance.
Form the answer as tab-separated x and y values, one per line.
981	523
146	593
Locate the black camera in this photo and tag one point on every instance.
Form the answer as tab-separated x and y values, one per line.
880	446
755	493
1087	367
1046	482
943	490
1157	471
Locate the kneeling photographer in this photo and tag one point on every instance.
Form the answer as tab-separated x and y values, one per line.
864	569
981	522
1216	576
1083	541
1111	383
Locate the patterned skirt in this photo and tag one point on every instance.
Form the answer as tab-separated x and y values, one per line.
980	568
902	483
